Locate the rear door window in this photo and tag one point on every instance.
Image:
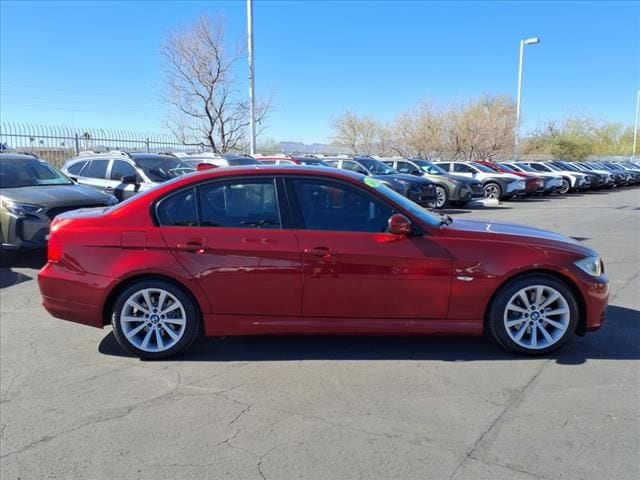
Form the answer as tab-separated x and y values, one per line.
96	169
243	203
179	210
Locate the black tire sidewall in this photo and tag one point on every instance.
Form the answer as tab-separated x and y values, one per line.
496	312
192	327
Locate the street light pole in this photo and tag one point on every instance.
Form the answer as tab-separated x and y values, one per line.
528	41
635	130
252	88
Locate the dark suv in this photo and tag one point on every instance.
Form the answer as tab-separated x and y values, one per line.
124	174
32	194
418	189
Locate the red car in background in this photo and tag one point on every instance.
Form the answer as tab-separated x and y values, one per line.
533	183
307	250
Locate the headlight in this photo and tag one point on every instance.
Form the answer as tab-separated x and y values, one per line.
20	208
591	265
520	184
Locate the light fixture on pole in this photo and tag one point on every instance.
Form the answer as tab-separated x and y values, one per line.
528	41
635	130
252	88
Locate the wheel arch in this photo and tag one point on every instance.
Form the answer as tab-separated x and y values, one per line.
581	328
125	283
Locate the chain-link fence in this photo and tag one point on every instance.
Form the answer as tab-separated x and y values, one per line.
57	144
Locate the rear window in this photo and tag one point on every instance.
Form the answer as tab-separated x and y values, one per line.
179	210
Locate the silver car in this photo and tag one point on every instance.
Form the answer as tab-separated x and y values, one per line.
124	174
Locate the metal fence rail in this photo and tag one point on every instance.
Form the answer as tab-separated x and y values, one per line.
57	144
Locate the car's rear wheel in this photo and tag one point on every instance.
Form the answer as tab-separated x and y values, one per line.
492	190
534	315
155	319
441	198
566	186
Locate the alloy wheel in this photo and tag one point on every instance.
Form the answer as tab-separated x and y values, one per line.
565	186
153	319
537	317
492	191
441	198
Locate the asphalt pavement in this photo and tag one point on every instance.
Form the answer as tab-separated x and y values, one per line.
75	406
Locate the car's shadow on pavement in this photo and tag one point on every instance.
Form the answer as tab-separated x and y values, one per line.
617	340
8	260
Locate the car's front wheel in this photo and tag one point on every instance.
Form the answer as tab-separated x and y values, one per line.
154	319
534	314
441	198
492	190
566	186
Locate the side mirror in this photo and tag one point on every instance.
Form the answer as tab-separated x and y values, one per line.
130	180
400	225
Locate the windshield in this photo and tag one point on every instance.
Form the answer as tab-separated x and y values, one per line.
30	173
376	167
507	168
313	161
526	168
163	168
412	207
429	167
234	162
567	166
483	168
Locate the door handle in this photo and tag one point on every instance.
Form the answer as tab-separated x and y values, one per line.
324	252
194	247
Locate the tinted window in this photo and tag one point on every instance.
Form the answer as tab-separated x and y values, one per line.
160	168
405	167
233	162
445	166
96	169
353	167
29	173
538	167
332	163
76	168
462	168
179	210
239	204
336	207
121	169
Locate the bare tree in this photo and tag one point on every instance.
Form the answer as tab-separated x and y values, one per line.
418	132
359	134
207	108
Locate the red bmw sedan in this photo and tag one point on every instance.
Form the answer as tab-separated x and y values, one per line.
301	250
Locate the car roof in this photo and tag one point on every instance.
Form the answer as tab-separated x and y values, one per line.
265	169
143	156
18	157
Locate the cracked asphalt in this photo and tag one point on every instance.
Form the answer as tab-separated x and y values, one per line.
75	406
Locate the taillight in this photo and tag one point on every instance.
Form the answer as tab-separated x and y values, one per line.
55	247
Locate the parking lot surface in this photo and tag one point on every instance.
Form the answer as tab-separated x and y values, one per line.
74	405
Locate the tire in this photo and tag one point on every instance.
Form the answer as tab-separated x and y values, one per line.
514	326
441	198
150	333
566	186
492	190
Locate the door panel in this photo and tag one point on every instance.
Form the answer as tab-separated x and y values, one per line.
369	275
228	235
244	271
352	268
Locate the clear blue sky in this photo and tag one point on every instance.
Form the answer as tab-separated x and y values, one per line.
96	64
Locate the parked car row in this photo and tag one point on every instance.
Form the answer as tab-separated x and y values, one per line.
94	179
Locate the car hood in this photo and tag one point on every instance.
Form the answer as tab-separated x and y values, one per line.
515	232
56	195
